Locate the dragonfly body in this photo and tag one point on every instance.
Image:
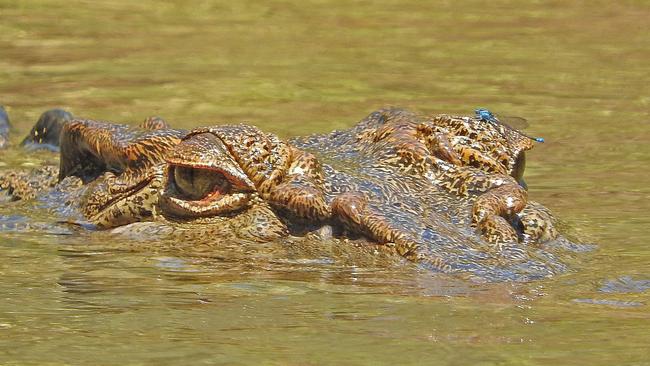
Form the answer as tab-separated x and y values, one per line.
485	115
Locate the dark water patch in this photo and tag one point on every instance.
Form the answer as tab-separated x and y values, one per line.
625	284
17	224
614	303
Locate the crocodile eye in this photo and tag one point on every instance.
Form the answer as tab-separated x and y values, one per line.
518	169
195	184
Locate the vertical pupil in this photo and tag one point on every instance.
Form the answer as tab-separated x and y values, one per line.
195	184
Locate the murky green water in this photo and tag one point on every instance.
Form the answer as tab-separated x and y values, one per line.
578	71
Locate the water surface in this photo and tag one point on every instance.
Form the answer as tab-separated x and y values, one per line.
577	71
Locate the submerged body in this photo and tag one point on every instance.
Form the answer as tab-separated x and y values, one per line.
443	191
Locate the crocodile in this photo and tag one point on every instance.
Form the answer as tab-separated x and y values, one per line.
446	192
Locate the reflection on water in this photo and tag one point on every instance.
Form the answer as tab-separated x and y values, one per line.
577	72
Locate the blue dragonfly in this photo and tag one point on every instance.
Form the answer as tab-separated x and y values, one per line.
513	123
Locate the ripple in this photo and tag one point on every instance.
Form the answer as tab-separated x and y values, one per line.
615	303
625	284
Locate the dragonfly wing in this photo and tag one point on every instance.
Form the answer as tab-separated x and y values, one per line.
517	123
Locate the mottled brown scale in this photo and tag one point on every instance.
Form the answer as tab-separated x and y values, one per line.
438	143
538	222
265	160
124	165
154	123
88	145
480	160
301	192
25	185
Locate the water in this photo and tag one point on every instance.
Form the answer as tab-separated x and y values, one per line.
577	72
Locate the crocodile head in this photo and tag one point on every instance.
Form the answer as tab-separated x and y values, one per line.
194	181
